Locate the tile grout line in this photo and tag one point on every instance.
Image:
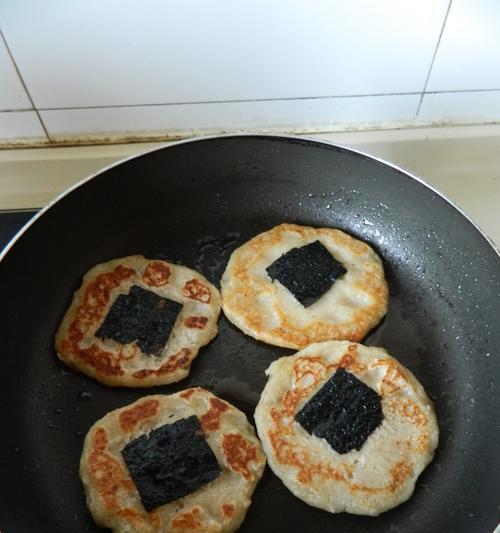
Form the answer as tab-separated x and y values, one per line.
21	79
433	58
20	110
251	100
235	101
214	102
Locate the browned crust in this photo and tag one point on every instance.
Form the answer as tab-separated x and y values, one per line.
239	454
186	394
239	303
188	521
198	322
96	296
141	411
228	509
210	421
156	274
109	477
181	359
195	290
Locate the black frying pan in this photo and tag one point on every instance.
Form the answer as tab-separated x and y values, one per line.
193	203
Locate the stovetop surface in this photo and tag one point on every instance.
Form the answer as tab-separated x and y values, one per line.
11	222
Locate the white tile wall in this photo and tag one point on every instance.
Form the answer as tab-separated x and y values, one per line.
301	115
21	125
483	106
12	93
129	52
469	53
124	68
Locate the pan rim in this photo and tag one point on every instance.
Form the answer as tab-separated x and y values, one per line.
401	169
299	139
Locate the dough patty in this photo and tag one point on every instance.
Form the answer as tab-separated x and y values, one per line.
267	310
373	479
219	506
121	288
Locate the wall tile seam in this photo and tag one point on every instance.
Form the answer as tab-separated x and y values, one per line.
23	83
217	102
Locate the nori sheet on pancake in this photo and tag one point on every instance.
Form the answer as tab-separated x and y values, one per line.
170	462
140	316
344	411
307	272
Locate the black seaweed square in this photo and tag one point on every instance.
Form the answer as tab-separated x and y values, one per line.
344	411
307	272
170	462
140	316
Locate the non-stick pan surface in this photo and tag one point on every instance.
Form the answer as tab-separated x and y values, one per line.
193	203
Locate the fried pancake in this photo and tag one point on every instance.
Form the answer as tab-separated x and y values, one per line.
367	477
137	322
217	506
266	309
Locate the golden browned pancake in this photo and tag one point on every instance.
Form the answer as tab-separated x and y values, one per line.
112	333
267	310
346	427
217	506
